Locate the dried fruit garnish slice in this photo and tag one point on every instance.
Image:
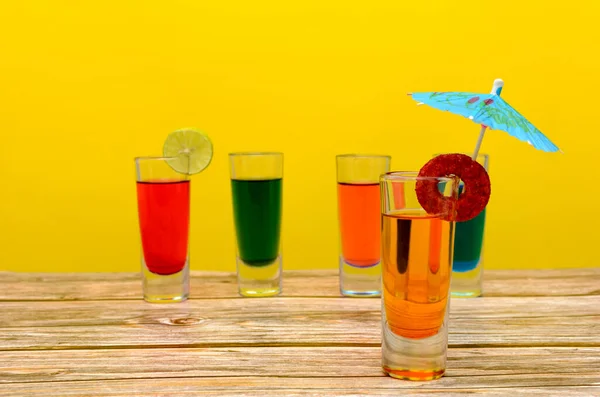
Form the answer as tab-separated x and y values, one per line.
472	200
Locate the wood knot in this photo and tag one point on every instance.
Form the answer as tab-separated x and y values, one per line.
181	321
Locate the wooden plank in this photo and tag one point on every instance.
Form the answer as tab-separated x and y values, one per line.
549	321
99	364
322	283
52	314
288	345
525	385
546	282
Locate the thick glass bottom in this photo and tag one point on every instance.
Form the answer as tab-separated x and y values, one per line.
414	358
259	281
467	284
360	282
417	375
170	288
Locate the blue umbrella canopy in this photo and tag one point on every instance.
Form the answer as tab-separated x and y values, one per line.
489	110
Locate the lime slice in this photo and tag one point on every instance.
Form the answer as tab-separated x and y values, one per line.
190	150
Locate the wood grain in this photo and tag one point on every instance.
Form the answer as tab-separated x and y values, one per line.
98	364
535	333
52	314
324	283
503	385
549	321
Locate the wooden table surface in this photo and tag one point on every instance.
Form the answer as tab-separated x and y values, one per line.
536	333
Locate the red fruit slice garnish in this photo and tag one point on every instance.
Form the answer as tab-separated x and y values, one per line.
474	196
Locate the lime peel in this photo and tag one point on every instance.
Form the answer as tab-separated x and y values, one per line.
189	151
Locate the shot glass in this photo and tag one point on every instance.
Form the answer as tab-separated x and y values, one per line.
163	198
256	187
467	268
416	271
359	214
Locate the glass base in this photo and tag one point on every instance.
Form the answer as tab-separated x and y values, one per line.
414	375
259	281
360	282
467	284
414	359
170	288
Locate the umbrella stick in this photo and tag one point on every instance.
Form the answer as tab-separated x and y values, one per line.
496	90
479	140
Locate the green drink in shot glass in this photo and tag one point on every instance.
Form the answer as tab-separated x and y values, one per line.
256	188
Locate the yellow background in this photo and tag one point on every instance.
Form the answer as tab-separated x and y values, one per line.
86	86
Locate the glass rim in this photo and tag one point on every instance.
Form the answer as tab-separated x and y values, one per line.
152	158
413	176
483	154
363	155
239	154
